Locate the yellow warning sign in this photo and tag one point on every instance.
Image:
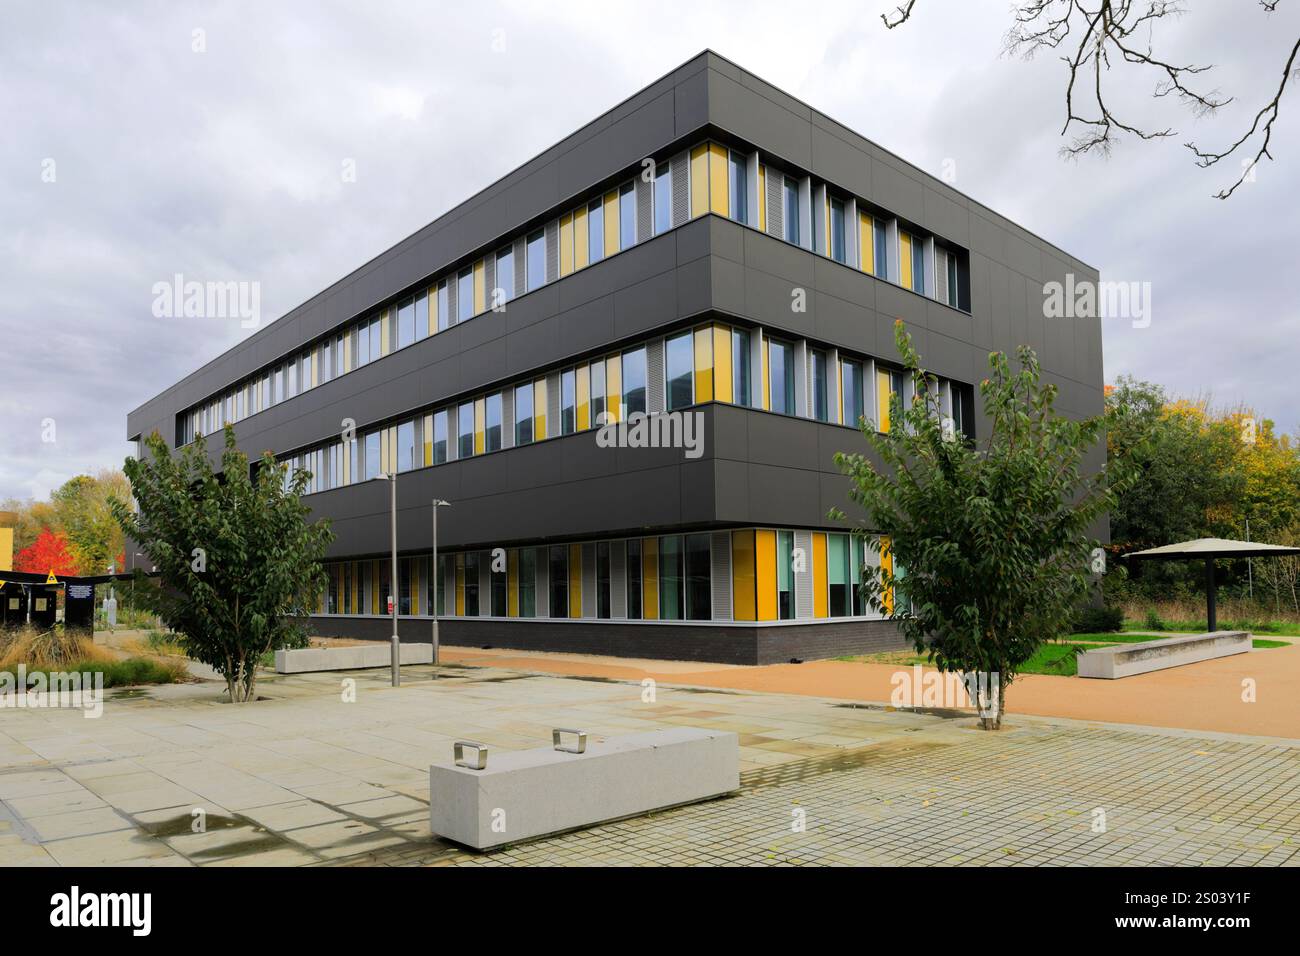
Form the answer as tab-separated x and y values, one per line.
51	579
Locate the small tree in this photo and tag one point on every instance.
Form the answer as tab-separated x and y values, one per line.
239	565
993	538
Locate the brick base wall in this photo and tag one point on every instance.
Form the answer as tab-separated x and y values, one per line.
715	644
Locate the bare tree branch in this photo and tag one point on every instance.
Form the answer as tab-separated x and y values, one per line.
1107	34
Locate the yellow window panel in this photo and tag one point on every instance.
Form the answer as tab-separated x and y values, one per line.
460	585
742	575
575	580
512	582
384	344
699	180
704	365
762	198
566	244
428	440
580	239
887	564
480	425
614	388
722	387
821	592
480	287
315	366
650	578
611	223
905	259
583	378
882	400
719	194
539	409
433	309
765	573
347	352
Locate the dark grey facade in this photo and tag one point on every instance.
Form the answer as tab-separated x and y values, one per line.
758	469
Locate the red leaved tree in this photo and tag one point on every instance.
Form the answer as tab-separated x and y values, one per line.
48	553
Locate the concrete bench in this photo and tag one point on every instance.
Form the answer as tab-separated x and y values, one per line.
1125	660
309	659
524	794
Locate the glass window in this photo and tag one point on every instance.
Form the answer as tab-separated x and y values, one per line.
821	408
837	568
527	582
326	368
493	438
291	388
465	430
634	379
699	600
880	255
680	362
663	199
444	306
602	579
791	210
421	315
536	260
626	216
568	402
524	414
505	276
406	459
405	324
373	464
670	578
472	559
559	580
851	393
738	184
634	579
838	252
740	366
439	449
376	340
784	574
497	581
597	391
595	232
465	295
918	264
780	362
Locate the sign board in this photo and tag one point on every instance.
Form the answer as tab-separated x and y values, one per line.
81	592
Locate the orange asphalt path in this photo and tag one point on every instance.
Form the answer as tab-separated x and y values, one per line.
1204	696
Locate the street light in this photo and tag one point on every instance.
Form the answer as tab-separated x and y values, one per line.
392	577
433	570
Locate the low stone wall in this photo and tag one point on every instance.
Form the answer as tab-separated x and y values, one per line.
1125	660
310	659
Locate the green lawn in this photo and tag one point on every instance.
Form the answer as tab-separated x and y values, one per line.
133	670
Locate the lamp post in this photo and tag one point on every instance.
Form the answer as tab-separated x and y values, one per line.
392	576
433	569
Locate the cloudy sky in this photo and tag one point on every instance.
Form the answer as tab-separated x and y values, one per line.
129	155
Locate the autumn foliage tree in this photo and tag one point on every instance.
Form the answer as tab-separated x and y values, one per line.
48	554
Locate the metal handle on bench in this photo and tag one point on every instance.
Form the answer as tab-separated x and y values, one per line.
480	754
578	748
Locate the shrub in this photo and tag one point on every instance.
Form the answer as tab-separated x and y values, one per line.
1152	622
1097	620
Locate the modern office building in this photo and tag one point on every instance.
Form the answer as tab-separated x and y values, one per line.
710	247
